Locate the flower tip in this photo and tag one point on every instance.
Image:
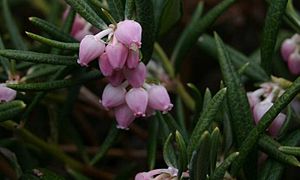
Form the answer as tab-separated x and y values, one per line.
122	127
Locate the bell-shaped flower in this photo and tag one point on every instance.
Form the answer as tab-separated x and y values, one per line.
129	32
7	94
133	59
117	54
116	78
170	173
294	63
137	100
113	96
254	97
260	109
287	48
104	65
159	98
124	116
90	48
136	77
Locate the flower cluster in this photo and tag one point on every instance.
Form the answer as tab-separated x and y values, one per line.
290	53
127	94
169	174
261	100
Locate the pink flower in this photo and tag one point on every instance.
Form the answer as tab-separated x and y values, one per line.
7	94
167	174
90	48
159	98
133	59
113	96
254	97
116	78
136	77
124	116
137	100
260	109
294	63
104	65
117	54
287	48
129	32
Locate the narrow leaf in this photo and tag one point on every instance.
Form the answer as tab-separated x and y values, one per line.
272	24
197	26
182	160
215	143
205	120
58	84
116	8
54	43
84	9
221	170
169	153
144	15
152	143
12	112
35	57
51	29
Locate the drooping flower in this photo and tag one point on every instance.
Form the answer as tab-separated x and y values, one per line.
137	100
136	77
90	48
116	78
159	98
7	94
113	96
160	174
104	65
287	48
129	32
294	63
124	116
117	54
133	59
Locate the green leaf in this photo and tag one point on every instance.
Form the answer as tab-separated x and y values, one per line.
241	117
265	121
11	109
108	142
182	160
196	27
76	175
199	163
144	15
205	120
272	24
4	62
290	150
152	143
51	29
42	72
35	57
215	143
221	170
292	17
169	152
15	35
174	126
180	116
170	15
57	84
253	70
197	97
84	9
54	43
116	8
68	22
129	9
271	146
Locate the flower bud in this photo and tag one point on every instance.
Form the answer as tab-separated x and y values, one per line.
116	78
294	63
287	48
137	100
117	54
104	65
90	48
136	77
132	59
159	98
113	96
124	116
129	32
7	94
